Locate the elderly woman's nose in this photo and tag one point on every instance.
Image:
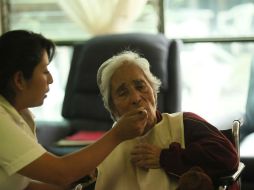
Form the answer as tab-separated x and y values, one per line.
135	97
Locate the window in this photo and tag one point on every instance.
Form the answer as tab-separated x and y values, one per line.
49	18
216	55
215	79
206	19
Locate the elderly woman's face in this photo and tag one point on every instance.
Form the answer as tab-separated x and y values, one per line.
130	90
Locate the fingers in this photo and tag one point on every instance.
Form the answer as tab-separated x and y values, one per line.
142	148
131	124
142	158
145	161
139	113
137	119
146	156
145	148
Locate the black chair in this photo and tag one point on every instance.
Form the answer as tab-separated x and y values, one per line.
83	107
234	136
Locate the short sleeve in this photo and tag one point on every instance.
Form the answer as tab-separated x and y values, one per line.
17	147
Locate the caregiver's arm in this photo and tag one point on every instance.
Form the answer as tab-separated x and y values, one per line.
63	171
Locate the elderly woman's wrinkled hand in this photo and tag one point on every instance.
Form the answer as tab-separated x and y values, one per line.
146	156
131	124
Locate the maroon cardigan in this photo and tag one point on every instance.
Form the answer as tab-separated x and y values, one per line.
205	146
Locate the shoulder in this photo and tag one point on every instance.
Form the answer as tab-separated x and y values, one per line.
193	116
191	119
3	105
195	125
194	122
6	111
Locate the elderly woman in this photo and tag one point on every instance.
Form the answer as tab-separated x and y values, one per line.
171	143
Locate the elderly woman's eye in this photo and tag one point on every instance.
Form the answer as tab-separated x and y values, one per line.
141	87
122	93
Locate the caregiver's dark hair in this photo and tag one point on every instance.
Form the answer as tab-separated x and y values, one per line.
21	50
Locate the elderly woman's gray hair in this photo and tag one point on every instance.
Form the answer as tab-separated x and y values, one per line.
108	68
